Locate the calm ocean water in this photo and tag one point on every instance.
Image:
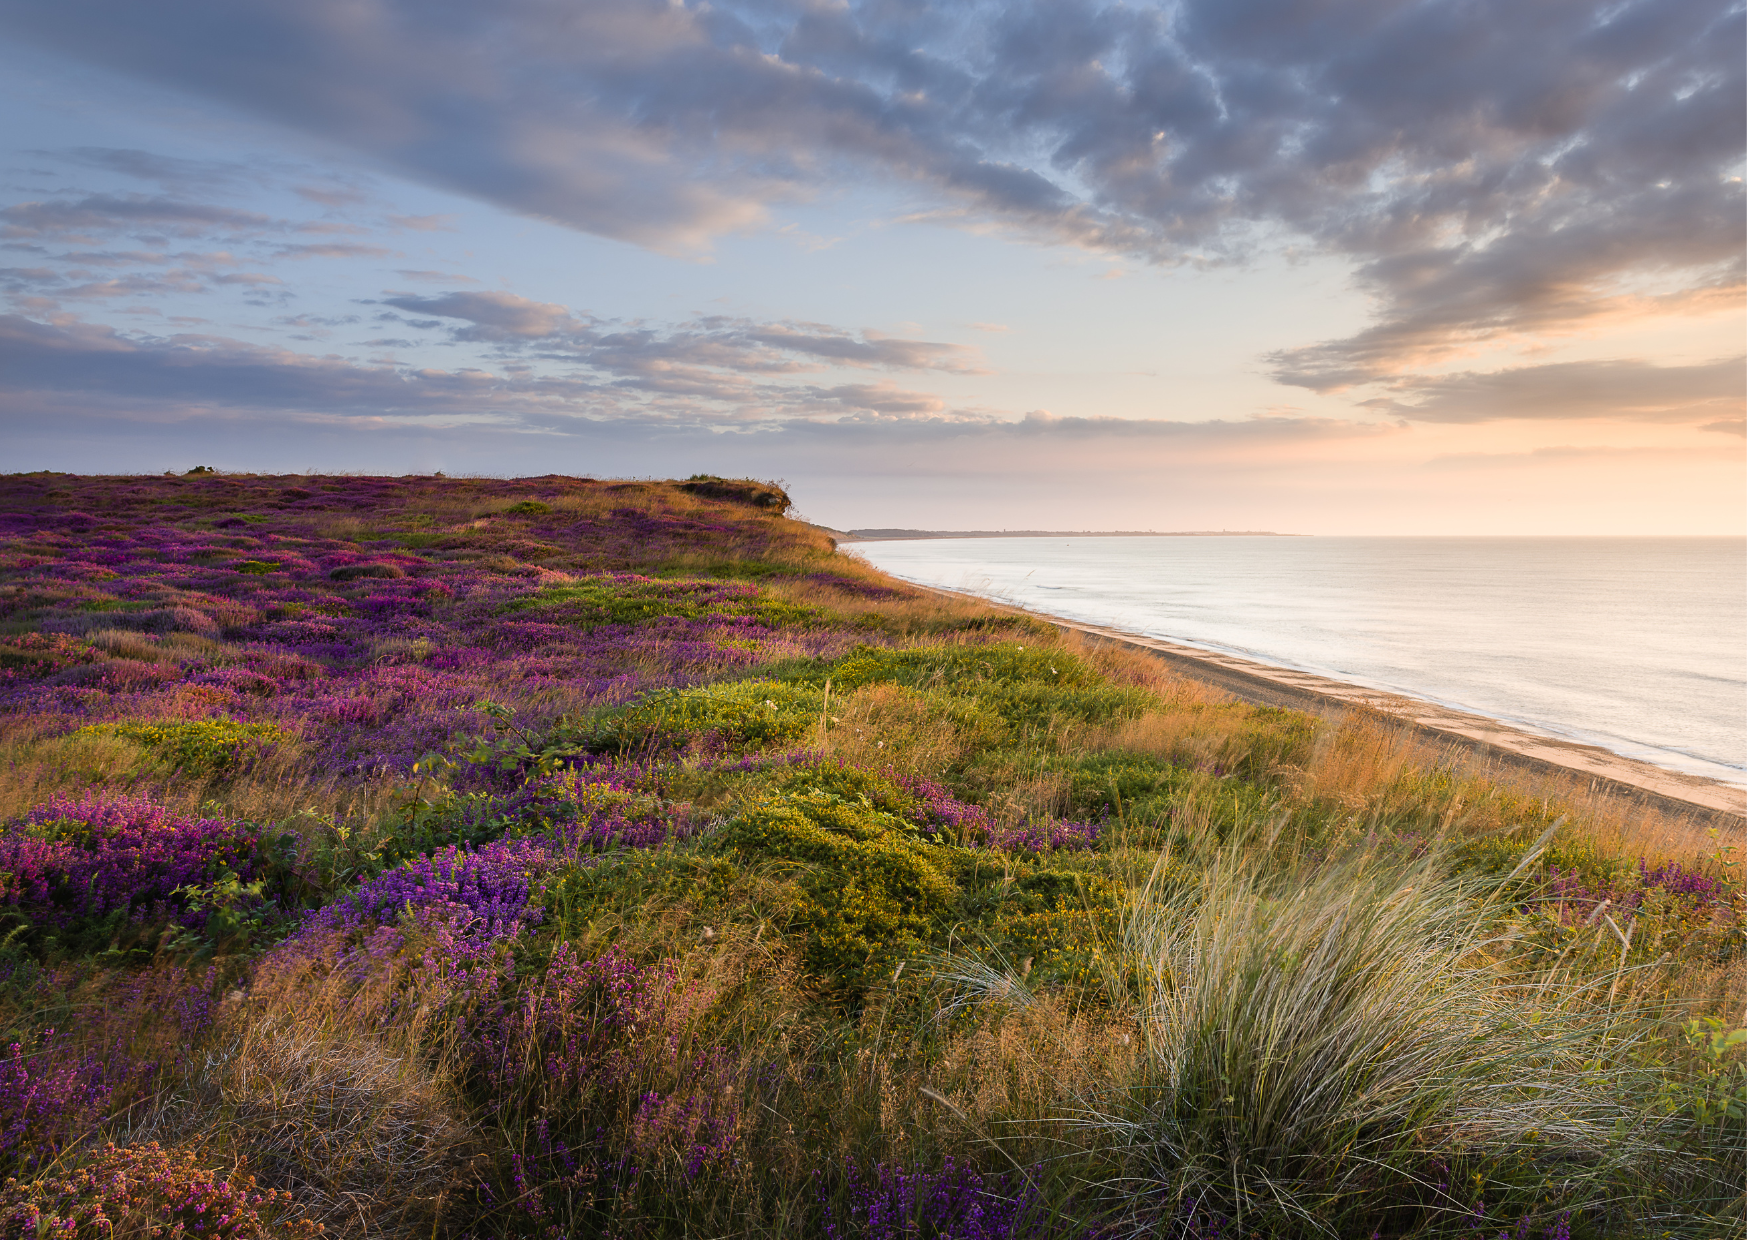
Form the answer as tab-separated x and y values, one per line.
1633	644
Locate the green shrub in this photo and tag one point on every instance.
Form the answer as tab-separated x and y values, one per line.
742	715
1039	705
851	783
1057	919
1148	795
635	600
528	508
872	891
963	668
766	495
207	747
259	568
633	885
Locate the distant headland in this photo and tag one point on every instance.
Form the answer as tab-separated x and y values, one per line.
893	535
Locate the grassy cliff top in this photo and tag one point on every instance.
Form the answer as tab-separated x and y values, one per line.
557	856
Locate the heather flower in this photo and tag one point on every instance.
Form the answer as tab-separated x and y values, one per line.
483	894
954	1203
71	859
146	1190
49	1099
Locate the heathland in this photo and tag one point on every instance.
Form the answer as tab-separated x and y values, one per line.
556	857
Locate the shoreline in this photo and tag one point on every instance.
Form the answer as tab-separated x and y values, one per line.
1496	742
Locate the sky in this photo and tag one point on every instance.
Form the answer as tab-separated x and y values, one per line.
1315	266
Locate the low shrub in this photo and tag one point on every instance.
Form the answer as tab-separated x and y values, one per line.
964	668
207	747
101	864
873	890
145	1190
737	716
32	656
626	598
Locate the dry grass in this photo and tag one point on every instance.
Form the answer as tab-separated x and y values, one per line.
1221	736
887	725
1033	1059
1378	768
337	1098
44	758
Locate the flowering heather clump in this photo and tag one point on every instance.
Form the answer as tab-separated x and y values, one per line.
940	810
954	1203
590	808
50	1098
561	1034
31	656
484	894
73	859
1038	837
1578	900
1672	878
597	1045
147	1190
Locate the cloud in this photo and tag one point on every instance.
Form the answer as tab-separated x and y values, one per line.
1490	167
884	398
814	340
101	374
331	250
1625	389
102	213
710	357
422	223
99	369
493	316
169	171
435	277
1568	456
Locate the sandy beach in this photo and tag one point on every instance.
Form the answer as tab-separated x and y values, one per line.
1490	740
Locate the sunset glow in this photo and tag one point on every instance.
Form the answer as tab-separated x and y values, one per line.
1403	268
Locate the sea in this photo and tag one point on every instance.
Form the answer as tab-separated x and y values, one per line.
1636	645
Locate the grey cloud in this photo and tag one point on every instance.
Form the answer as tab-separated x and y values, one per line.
1728	426
328	196
422	223
96	213
167	377
435	277
871	350
167	170
1397	132
334	250
102	374
706	356
884	398
1624	389
493	316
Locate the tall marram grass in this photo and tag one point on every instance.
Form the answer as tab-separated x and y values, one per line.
1328	1048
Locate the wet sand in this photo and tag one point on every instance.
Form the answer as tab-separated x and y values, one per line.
1496	743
